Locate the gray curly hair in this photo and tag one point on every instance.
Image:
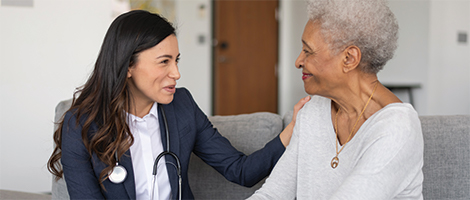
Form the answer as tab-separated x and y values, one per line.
368	24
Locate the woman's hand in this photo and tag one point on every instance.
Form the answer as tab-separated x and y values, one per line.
287	132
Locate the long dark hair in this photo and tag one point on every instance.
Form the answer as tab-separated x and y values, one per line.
105	96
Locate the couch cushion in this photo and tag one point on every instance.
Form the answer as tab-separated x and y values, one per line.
287	118
247	133
8	194
446	157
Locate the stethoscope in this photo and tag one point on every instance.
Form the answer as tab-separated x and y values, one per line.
119	173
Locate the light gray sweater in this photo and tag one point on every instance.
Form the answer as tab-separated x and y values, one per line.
382	161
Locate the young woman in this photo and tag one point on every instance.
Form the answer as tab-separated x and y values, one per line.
129	111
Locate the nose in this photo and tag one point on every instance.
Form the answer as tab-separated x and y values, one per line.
299	62
175	73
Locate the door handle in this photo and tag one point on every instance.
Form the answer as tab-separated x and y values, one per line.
224	45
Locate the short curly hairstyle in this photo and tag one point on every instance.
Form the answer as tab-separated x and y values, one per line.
367	24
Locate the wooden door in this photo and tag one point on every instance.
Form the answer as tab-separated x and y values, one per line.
245	56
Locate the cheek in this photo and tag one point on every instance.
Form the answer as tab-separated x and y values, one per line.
314	65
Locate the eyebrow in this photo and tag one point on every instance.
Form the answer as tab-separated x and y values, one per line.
168	56
305	43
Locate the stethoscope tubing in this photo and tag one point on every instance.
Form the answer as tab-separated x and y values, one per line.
167	152
155	164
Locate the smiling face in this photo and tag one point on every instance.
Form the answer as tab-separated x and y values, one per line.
321	68
153	77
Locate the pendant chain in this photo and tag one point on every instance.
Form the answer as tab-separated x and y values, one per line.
335	160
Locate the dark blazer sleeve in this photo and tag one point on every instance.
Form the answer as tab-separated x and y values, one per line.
76	162
216	150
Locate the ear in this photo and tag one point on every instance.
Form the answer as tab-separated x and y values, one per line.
351	58
129	72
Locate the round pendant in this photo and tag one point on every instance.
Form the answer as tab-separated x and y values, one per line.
334	162
118	174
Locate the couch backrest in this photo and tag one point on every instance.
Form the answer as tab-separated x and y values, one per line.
59	188
446	157
247	133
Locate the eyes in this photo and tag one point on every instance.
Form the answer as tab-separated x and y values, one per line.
168	60
307	52
306	49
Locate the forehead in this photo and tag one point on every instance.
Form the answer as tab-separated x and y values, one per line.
311	31
170	43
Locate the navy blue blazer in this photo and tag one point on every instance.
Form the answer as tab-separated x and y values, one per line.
190	131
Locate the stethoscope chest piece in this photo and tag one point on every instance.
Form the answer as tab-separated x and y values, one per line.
118	175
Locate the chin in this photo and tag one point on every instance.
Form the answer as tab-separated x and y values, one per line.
165	100
309	91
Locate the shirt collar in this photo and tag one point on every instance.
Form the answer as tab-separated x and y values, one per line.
153	112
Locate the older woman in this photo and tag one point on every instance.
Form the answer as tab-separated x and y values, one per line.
354	139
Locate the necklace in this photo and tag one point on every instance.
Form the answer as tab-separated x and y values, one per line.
335	160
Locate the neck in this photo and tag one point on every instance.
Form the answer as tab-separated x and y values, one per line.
352	107
353	97
140	109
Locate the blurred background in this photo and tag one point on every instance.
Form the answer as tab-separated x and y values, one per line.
236	57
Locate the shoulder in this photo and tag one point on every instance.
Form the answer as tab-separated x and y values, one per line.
397	122
73	125
391	137
316	106
181	94
70	118
401	114
182	98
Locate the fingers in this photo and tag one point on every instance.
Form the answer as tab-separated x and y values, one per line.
299	106
287	132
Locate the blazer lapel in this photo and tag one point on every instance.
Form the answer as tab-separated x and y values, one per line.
174	145
129	183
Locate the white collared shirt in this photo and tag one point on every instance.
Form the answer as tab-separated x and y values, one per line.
147	145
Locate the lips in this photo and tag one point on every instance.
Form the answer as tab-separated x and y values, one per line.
170	88
305	75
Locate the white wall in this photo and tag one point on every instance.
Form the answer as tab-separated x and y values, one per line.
45	52
49	49
410	62
449	61
430	55
427	54
195	64
293	18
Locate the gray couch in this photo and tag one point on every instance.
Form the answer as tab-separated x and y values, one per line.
446	155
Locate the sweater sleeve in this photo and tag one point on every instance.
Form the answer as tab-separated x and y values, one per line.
282	183
391	164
